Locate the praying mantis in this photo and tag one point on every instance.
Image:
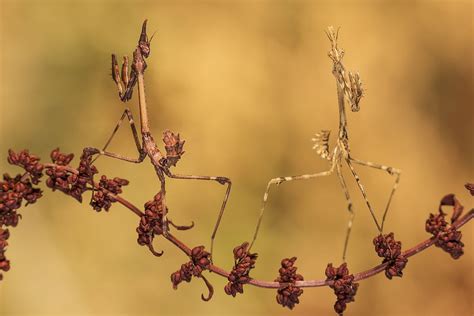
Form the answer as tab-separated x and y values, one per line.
147	147
349	88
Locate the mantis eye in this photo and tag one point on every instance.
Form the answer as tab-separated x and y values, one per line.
145	49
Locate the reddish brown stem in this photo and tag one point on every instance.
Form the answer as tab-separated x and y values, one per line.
119	199
275	285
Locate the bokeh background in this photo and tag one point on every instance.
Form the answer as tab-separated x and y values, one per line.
247	84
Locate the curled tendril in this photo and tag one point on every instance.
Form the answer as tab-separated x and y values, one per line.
154	252
181	227
209	287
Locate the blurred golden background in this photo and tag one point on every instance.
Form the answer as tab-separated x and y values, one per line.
246	84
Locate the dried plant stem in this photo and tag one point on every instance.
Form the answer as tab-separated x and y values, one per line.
271	284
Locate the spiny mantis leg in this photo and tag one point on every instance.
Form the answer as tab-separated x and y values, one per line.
278	181
349	208
116	75
391	171
362	190
129	115
221	180
123	80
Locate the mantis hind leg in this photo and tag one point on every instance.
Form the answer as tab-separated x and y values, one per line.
349	208
279	180
391	171
221	180
362	190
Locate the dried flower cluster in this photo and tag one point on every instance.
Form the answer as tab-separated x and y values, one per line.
343	285
151	223
391	250
63	179
102	200
12	193
200	261
85	175
28	162
447	237
4	263
13	190
244	262
288	294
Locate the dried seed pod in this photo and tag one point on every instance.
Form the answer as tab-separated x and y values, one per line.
343	285
288	294
4	263
447	237
102	198
200	261
151	222
12	193
391	250
244	262
28	162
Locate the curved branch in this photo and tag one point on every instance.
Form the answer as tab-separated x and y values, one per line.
275	285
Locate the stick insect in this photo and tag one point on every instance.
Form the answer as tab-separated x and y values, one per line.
147	147
349	88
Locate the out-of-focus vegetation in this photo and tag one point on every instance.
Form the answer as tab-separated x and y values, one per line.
246	83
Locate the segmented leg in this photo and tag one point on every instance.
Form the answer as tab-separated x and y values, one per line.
362	190
95	151
221	180
391	171
349	208
124	81
126	113
161	177
278	181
